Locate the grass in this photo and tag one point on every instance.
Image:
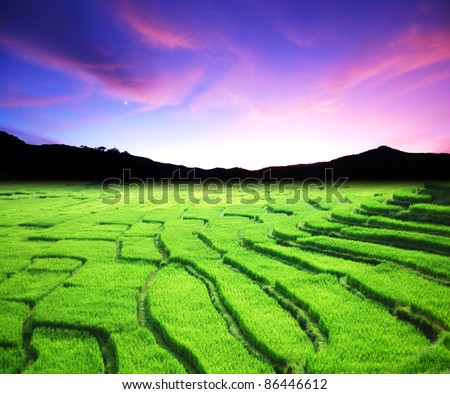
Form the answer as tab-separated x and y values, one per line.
190	322
375	207
138	352
12	359
112	276
426	263
140	248
326	301
12	315
402	239
349	217
394	224
65	351
268	327
29	286
409	197
386	283
359	286
321	226
55	264
103	309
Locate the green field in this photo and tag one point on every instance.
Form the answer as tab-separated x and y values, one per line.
225	286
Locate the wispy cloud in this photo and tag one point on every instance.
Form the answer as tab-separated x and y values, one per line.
412	84
301	107
152	88
303	37
412	50
36	101
156	30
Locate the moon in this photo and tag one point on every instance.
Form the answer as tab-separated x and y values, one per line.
125	103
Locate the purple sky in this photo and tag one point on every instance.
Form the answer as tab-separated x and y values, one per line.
228	82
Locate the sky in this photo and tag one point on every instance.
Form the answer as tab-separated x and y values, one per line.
228	83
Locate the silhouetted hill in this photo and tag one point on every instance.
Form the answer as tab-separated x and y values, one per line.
21	161
383	163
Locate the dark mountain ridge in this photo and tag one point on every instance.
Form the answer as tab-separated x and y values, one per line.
22	161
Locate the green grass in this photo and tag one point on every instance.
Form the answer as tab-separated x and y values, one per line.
408	197
329	287
374	207
140	248
271	329
394	224
437	210
373	253
112	276
349	217
138	352
65	352
29	286
55	264
104	309
12	359
321	226
387	283
12	315
402	239
195	329
335	309
143	230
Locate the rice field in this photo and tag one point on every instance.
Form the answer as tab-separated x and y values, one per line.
314	286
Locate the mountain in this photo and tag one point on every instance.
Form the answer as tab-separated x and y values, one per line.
21	161
382	163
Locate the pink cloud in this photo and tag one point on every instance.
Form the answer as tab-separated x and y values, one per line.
276	112
151	89
304	37
297	38
165	89
34	53
426	81
414	49
232	90
220	96
194	35
156	30
38	101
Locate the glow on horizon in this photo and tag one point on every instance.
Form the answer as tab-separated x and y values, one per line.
237	83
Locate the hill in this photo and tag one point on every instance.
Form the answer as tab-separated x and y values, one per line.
22	161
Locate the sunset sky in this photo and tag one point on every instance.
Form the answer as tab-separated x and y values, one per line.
228	82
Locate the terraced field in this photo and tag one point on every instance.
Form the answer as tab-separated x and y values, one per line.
229	287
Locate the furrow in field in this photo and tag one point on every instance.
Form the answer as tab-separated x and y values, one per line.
435	244
106	295
267	320
215	297
424	300
28	326
375	335
232	323
264	325
83	303
181	306
107	350
65	351
163	251
403	225
155	354
306	323
429	265
119	246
